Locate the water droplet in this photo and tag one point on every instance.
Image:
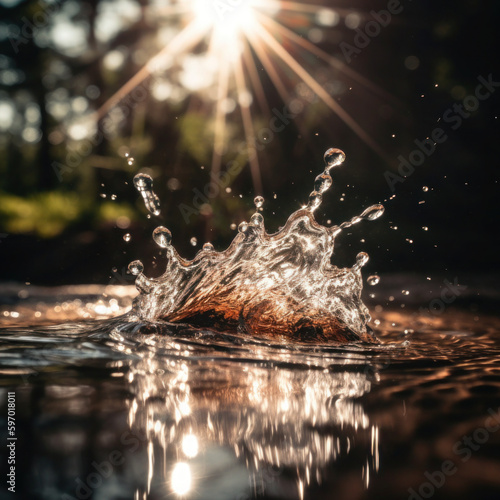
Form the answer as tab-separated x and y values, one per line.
136	267
130	161
258	201
153	204
405	292
233	226
102	195
314	201
361	259
127	237
425	189
425	228
143	182
334	157
243	227
257	220
193	241
208	247
113	197
373	280
322	183
373	212
162	236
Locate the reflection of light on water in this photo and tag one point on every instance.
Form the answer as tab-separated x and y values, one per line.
181	478
190	445
273	420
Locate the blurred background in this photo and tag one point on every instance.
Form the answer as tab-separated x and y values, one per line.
195	91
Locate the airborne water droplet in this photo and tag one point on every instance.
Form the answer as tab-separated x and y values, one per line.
143	182
257	220
162	236
136	267
373	212
373	280
193	241
208	247
243	227
314	201
361	259
333	158
127	237
322	183
258	201
425	189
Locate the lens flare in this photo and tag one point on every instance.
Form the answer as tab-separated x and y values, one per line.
217	51
227	19
181	478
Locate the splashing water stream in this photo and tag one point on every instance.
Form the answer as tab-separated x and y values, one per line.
280	283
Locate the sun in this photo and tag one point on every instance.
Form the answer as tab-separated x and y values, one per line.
226	19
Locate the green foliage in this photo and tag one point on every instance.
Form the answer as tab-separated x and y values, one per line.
45	214
50	213
109	211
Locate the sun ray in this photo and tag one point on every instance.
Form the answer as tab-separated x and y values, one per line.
275	78
255	80
248	126
220	118
270	69
234	45
292	63
189	37
332	61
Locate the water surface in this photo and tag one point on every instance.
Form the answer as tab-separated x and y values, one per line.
108	408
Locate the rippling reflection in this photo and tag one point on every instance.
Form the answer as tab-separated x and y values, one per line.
118	409
285	426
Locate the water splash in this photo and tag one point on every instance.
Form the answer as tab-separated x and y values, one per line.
144	184
265	284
